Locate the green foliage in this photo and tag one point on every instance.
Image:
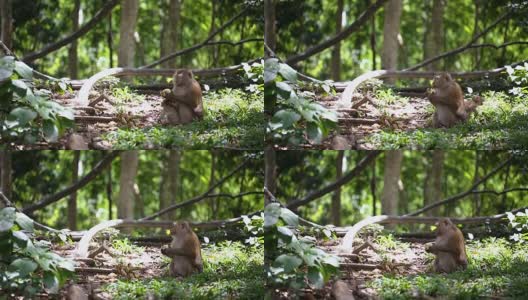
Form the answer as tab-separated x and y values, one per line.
519	76
27	115
496	269
295	117
126	247
232	270
254	227
518	224
387	242
26	265
293	260
232	119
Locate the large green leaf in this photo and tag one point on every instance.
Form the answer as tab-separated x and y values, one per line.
23	266
20	87
23	70
20	238
24	221
287	117
271	68
7	218
315	277
22	115
288	261
288	72
7	65
51	283
50	131
289	217
315	134
271	214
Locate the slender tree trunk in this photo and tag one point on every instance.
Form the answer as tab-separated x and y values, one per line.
72	201
72	51
270	36
110	41
391	32
270	172
477	200
6	14
373	188
129	12
336	197
127	178
434	37
170	33
433	181
139	205
391	181
336	51
109	191
212	180
5	170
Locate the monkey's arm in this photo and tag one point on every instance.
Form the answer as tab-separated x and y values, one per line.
176	252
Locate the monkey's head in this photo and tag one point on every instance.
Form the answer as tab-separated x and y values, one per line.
442	79
181	228
443	226
183	77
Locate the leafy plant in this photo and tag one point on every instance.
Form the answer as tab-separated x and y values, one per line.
518	223
27	266
126	247
254	73
27	115
292	260
295	118
519	76
253	226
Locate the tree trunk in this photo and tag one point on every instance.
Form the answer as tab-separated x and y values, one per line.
434	36
391	31
109	192
5	173
336	51
129	12
170	33
127	178
72	201
373	187
391	180
6	15
270	172
477	199
110	42
213	202
270	37
336	197
170	184
433	181
72	51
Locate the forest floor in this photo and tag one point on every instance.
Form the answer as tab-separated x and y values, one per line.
127	271
384	120
124	119
391	269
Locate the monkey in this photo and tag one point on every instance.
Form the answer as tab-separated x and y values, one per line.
184	251
448	247
183	103
446	92
444	117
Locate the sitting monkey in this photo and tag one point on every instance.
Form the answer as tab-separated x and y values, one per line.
183	103
449	248
184	251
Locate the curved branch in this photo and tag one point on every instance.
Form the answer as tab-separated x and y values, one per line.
346	243
198	198
82	97
101	165
341	181
199	45
463	194
248	40
361	20
466	46
107	8
8	203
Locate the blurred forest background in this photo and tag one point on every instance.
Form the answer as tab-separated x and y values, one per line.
133	185
400	182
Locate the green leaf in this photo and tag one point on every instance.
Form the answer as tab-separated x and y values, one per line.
7	65
315	277
271	214
285	232
24	221
315	134
288	72
20	87
288	261
23	266
331	260
7	218
50	131
6	244
23	70
271	68
283	86
287	117
51	283
289	217
22	115
67	265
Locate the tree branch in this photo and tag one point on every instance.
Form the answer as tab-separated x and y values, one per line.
8	203
101	165
362	19
198	198
107	8
341	181
463	194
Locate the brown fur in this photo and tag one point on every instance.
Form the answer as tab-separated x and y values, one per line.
184	250
183	103
449	248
